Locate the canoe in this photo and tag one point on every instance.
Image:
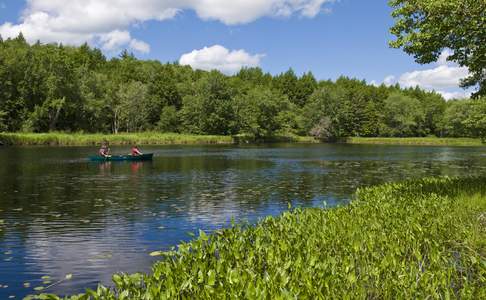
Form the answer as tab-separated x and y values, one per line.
142	157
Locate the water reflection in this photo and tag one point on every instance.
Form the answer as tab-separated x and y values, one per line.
60	214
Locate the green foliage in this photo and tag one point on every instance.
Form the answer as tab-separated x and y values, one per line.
45	88
476	121
426	27
169	120
258	112
404	116
418	239
208	109
325	107
133	107
466	118
3	121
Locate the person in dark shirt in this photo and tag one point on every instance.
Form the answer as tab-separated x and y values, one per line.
104	150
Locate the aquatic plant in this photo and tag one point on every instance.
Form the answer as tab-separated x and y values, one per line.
417	239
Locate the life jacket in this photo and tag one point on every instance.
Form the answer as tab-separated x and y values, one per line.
135	151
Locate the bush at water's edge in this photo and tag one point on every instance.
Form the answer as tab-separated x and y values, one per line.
418	239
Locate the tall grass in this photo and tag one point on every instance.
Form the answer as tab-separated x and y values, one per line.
146	138
78	139
419	239
422	141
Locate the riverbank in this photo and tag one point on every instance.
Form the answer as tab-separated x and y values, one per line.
418	239
419	141
155	138
147	138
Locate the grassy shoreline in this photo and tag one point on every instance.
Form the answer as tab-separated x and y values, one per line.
155	138
147	138
418	239
418	141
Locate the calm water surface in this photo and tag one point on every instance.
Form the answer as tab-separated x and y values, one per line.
60	214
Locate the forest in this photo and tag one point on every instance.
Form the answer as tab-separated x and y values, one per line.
53	87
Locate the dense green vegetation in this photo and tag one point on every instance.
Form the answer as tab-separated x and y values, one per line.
424	28
76	89
147	138
143	138
418	239
423	141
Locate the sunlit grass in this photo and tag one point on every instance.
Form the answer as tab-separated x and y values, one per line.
78	139
146	138
423	141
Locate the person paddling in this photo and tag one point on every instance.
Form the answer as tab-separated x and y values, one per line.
136	151
104	150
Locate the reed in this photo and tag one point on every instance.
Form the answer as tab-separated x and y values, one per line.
146	138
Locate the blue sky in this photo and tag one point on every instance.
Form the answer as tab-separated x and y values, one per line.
329	38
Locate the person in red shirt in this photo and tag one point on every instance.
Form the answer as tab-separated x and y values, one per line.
136	151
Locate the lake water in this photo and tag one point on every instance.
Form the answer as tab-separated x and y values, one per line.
60	214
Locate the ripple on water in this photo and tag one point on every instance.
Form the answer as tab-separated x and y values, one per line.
60	214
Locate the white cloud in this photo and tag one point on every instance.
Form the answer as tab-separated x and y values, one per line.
389	80
245	11
115	39
79	21
445	78
219	58
139	46
455	95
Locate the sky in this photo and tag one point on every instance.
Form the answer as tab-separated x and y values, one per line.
330	38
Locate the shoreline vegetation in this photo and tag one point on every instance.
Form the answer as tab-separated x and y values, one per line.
417	141
146	138
78	89
417	239
155	138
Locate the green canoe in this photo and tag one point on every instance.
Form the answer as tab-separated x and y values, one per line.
142	157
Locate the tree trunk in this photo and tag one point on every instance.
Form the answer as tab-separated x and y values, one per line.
53	122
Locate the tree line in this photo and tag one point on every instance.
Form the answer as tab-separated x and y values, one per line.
52	87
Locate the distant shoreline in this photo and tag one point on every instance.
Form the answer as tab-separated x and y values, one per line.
146	138
154	138
416	141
